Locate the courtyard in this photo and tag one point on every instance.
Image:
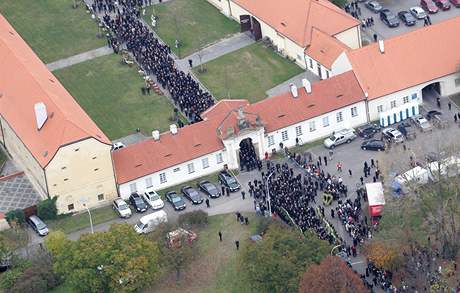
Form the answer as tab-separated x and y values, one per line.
195	23
246	73
110	92
53	28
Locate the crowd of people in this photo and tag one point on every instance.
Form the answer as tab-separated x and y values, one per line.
248	156
123	19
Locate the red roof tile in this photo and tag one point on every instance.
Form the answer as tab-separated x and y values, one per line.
324	48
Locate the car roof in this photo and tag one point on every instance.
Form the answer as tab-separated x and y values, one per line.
171	193
119	200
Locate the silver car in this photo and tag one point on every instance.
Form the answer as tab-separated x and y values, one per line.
339	137
422	123
393	135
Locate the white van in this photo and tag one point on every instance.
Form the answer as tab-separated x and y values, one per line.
416	175
148	222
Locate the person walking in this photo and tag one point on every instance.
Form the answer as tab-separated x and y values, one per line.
325	161
339	167
190	62
220	236
449	105
243	195
207	203
237	244
350	173
455	118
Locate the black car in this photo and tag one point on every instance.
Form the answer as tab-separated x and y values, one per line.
229	181
407	18
175	200
389	18
433	113
368	130
138	203
373	145
193	195
209	189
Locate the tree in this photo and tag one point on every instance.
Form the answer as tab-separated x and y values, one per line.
118	260
331	275
177	258
276	263
15	217
46	209
383	255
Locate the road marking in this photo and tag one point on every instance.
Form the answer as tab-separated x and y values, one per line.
355	263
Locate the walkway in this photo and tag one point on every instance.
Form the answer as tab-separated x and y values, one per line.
214	51
82	57
297	80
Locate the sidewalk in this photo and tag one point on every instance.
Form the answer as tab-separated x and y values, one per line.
82	57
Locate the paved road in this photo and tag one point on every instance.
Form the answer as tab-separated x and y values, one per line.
79	58
297	80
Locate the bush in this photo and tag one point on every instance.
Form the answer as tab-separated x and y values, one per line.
262	225
16	217
339	3
39	278
195	218
46	209
8	278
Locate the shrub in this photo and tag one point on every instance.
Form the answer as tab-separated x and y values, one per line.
195	218
39	278
46	209
339	3
8	278
16	217
262	225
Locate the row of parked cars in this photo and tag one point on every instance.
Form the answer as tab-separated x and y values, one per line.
410	17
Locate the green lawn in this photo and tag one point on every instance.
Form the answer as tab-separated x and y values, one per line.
111	95
300	149
69	224
52	28
196	23
247	73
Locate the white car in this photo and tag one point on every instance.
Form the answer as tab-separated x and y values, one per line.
339	137
153	199
418	12
118	145
422	123
393	134
122	208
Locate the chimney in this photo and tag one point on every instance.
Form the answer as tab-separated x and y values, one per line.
294	90
40	114
381	46
307	85
156	135
173	129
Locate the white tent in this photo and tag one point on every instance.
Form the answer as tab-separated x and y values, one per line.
375	194
416	175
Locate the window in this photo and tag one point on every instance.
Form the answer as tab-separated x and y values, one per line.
393	104
191	168
100	197
63	168
311	63
219	158
271	140
380	108
133	187
97	169
457	82
406	99
354	112
77	150
205	163
94	158
148	182
176	169
66	179
326	121
162	178
339	117
70	207
284	135
414	96
312	126
298	130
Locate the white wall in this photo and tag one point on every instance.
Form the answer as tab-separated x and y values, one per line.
341	64
312	65
176	177
350	37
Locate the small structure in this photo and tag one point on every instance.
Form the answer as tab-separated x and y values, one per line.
174	238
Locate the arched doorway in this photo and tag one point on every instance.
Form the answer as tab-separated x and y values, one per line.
431	93
245	23
256	29
247	155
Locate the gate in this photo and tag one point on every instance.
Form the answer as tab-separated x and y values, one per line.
245	23
256	29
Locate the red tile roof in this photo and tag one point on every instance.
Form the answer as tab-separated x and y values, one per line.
199	139
324	48
410	59
25	81
296	18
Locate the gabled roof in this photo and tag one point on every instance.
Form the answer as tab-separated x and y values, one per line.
25	81
324	48
410	59
296	18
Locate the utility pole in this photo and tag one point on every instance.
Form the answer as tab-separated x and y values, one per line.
90	218
268	193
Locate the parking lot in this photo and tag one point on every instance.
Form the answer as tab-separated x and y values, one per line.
384	32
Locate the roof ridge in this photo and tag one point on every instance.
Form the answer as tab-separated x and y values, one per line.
306	23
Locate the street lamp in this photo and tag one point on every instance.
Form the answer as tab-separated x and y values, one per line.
268	193
90	218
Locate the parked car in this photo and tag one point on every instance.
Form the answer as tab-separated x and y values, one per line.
227	180
368	130
442	4
456	3
339	137
407	18
191	193
393	135
153	199
374	6
209	189
138	203
118	145
433	113
389	18
429	6
373	145
38	225
175	200
417	12
148	222
122	208
422	123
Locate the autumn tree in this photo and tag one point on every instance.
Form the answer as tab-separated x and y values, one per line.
118	260
383	255
331	275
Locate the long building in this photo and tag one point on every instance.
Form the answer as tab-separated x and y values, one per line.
59	147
